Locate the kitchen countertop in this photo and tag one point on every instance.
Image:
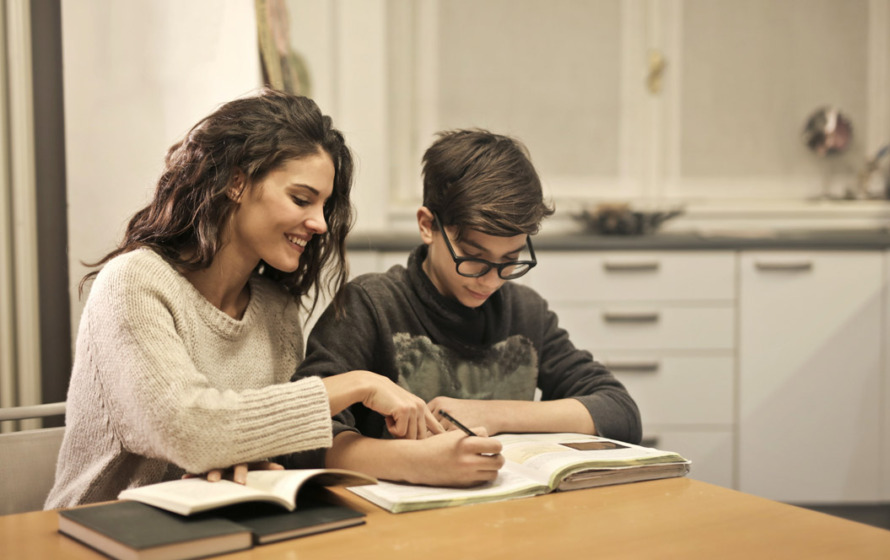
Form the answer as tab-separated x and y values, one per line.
840	240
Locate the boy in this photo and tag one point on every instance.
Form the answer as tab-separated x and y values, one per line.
453	330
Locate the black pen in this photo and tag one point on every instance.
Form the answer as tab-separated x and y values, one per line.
454	421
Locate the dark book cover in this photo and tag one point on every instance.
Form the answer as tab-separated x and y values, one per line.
270	523
131	529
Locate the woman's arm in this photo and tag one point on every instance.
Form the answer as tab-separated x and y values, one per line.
407	416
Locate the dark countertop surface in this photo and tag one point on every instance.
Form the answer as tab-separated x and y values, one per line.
839	240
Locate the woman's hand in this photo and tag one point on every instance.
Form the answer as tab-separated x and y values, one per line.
237	473
468	412
407	416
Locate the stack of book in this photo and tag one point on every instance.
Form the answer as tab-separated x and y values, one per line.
192	518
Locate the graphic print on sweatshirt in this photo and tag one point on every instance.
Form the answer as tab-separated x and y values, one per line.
507	370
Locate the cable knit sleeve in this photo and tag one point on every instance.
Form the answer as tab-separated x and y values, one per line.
186	384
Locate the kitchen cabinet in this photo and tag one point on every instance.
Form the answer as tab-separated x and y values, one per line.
640	99
765	367
885	397
664	323
810	366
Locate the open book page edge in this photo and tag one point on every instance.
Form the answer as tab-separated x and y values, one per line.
398	498
553	466
191	495
287	483
623	476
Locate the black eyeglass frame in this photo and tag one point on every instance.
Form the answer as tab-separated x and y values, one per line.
488	264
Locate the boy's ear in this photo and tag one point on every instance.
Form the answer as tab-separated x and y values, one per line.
236	188
425	224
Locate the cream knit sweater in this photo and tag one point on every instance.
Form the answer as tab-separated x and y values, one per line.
164	382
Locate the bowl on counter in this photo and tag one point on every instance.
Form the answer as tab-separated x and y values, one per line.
622	219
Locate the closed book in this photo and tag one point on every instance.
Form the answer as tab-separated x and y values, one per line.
269	523
132	530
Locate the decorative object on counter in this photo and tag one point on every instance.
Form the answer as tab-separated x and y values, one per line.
828	132
621	219
873	180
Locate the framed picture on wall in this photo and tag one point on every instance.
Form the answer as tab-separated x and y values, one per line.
283	67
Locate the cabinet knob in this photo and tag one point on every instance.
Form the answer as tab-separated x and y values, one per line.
630	316
786	266
640	366
657	64
633	266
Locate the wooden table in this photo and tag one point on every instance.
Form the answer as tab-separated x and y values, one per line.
673	518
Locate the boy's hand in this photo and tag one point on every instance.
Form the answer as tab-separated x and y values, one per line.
470	413
455	459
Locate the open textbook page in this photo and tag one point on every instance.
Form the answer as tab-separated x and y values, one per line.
538	464
193	495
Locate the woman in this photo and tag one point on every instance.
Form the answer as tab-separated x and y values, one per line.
192	326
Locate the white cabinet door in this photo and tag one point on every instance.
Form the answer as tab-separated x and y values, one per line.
710	451
636	276
742	78
809	375
565	77
885	402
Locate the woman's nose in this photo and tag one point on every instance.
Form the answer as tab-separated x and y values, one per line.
316	222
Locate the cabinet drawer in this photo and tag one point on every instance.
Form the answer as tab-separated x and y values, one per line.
711	452
670	389
625	327
635	276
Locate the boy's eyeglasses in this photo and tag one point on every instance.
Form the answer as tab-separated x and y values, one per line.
472	267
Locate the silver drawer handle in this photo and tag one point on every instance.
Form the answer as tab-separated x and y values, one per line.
640	266
788	266
631	317
654	365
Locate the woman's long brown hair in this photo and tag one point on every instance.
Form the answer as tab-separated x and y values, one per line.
185	220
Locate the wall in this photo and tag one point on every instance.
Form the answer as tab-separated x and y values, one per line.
137	76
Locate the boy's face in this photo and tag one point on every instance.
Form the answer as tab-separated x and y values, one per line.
440	267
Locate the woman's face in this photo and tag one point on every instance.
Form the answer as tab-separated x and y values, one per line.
278	216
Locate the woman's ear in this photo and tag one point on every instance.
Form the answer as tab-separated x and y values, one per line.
425	224
236	187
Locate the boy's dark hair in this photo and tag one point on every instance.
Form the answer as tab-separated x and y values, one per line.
256	134
475	179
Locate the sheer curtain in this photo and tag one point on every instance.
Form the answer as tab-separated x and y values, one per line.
19	301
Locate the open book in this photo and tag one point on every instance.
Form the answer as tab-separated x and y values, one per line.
192	495
538	464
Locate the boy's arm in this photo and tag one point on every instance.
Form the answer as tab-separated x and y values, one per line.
499	416
578	394
448	459
569	373
339	344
